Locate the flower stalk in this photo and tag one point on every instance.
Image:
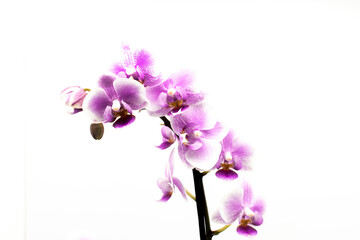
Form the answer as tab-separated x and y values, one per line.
202	210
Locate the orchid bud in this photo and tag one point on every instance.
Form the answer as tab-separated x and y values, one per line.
97	130
74	97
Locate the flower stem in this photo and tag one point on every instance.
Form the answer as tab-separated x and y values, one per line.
202	211
216	232
190	195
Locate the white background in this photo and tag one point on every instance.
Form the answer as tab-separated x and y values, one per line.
283	74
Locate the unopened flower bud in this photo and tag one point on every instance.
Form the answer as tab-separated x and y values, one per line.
97	130
73	97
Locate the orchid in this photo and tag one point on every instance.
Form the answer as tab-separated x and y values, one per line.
73	97
172	96
243	206
114	100
168	184
168	137
136	64
199	139
203	145
233	156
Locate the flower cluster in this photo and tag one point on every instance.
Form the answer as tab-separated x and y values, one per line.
200	142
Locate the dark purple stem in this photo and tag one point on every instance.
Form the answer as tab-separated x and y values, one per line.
202	210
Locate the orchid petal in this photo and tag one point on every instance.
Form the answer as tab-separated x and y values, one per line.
257	219
226	174
170	166
95	104
166	188
205	157
108	114
131	92
152	93
124	121
164	145
126	106
180	186
248	194
258	206
195	114
193	98
231	207
216	217
106	83
216	132
168	134
227	142
194	146
246	231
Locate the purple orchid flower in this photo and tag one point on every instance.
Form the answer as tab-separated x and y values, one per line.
233	156
73	97
172	96
199	138
168	137
136	64
242	206
168	184
114	100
